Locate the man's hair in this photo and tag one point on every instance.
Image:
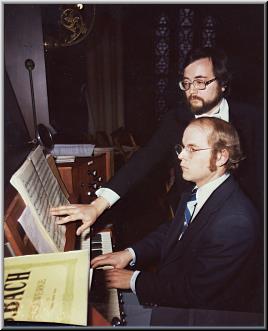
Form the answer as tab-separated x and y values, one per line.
219	61
221	135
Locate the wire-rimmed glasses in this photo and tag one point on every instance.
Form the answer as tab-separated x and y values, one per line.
189	149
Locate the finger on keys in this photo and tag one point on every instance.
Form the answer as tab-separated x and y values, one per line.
82	228
101	260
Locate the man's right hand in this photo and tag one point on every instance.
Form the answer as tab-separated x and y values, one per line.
117	260
88	214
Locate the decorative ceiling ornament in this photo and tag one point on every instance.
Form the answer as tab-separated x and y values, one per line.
67	25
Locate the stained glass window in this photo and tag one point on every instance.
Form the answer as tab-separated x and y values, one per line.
185	40
208	32
185	34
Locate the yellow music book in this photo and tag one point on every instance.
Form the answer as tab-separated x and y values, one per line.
51	288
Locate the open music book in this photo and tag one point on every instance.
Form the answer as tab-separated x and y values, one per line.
40	190
51	288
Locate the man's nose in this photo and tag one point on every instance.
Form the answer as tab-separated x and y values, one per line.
181	154
192	88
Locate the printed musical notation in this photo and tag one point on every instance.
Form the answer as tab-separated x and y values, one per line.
39	188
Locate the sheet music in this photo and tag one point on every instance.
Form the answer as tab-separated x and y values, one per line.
54	192
81	150
33	231
40	191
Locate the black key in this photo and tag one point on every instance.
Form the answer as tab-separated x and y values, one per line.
96	238
95	253
95	245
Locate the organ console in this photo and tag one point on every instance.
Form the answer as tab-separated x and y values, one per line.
81	180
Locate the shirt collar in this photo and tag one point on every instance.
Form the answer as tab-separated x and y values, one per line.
204	192
222	112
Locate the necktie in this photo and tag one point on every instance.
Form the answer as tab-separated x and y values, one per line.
189	210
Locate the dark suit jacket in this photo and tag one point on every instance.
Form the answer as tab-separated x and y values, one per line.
213	266
247	121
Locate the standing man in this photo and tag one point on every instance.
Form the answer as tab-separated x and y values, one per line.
205	83
207	257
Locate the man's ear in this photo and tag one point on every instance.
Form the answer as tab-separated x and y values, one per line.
222	157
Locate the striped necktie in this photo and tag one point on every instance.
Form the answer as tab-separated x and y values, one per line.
189	210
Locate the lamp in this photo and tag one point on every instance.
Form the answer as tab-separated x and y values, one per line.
29	64
41	132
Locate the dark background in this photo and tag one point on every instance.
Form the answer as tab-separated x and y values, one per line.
239	30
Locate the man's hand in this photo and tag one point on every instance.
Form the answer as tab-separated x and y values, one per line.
117	260
88	214
118	278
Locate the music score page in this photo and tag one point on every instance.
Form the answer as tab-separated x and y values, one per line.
39	188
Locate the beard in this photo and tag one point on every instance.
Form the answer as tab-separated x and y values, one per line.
201	106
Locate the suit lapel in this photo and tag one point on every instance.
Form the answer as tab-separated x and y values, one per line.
205	215
177	223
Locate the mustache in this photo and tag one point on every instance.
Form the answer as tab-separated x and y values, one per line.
195	97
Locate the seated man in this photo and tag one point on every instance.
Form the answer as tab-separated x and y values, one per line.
207	257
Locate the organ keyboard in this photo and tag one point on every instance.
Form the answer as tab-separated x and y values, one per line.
106	301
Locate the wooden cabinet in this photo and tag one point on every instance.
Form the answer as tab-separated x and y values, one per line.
83	177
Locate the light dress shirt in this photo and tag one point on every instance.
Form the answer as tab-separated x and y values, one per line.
222	112
108	194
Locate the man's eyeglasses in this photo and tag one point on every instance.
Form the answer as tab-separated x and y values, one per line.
199	84
189	149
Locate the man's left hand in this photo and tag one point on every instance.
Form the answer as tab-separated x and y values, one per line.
118	278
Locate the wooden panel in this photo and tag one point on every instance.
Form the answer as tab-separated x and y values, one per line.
95	318
84	176
109	159
14	232
66	173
